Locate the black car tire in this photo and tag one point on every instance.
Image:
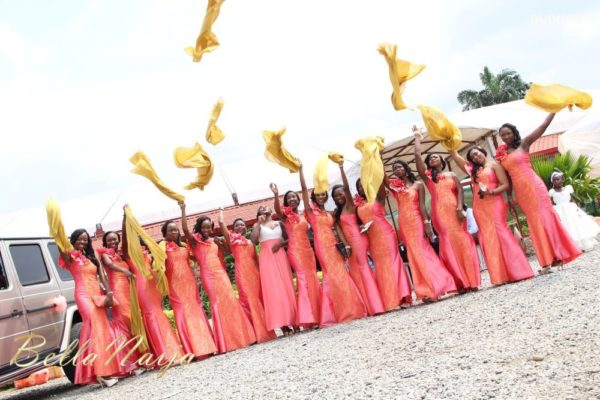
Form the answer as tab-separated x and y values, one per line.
68	367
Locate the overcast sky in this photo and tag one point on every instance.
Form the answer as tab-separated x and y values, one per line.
85	84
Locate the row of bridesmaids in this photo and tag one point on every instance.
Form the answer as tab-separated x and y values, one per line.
355	245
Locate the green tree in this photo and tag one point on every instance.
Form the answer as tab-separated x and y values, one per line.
497	88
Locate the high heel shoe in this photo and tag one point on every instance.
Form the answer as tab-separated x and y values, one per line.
107	382
138	371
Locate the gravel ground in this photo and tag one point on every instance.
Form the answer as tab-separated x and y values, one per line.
534	339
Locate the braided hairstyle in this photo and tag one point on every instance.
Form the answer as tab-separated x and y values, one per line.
517	140
88	251
409	174
476	167
434	172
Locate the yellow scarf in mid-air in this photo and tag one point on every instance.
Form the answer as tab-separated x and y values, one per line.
440	128
276	153
400	71
195	157
144	168
214	135
207	41
553	98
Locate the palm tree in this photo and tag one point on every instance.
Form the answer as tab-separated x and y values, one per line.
500	88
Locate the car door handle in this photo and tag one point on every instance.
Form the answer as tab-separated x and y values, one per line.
13	314
42	308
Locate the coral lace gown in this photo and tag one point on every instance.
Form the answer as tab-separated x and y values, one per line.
247	279
360	271
191	322
231	326
162	340
341	301
121	311
276	280
430	277
550	239
504	258
302	260
390	274
457	247
96	328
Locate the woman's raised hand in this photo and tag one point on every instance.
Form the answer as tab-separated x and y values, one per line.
274	189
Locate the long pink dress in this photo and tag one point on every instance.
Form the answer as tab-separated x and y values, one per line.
231	326
504	258
191	322
360	271
276	280
430	277
247	279
550	239
457	247
341	301
96	331
390	274
121	311
302	260
162	340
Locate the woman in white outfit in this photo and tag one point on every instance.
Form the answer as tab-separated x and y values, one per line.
582	228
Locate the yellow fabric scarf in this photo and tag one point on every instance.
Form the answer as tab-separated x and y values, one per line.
320	176
336	158
214	135
275	152
371	166
207	41
57	230
137	323
440	128
195	157
144	168
553	98
400	71
134	233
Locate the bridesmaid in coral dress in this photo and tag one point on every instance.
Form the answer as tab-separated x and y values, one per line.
161	338
457	247
91	303
247	277
357	244
391	276
430	277
504	258
119	277
553	244
275	273
301	257
191	322
341	301
231	326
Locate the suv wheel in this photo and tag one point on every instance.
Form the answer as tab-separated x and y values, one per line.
68	367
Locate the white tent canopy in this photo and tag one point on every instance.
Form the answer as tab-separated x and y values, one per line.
584	139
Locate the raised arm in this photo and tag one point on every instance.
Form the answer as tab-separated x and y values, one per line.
423	210
459	160
537	133
460	194
421	167
225	231
184	225
349	206
277	203
305	196
124	236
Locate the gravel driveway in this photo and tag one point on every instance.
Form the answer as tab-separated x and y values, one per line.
534	339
